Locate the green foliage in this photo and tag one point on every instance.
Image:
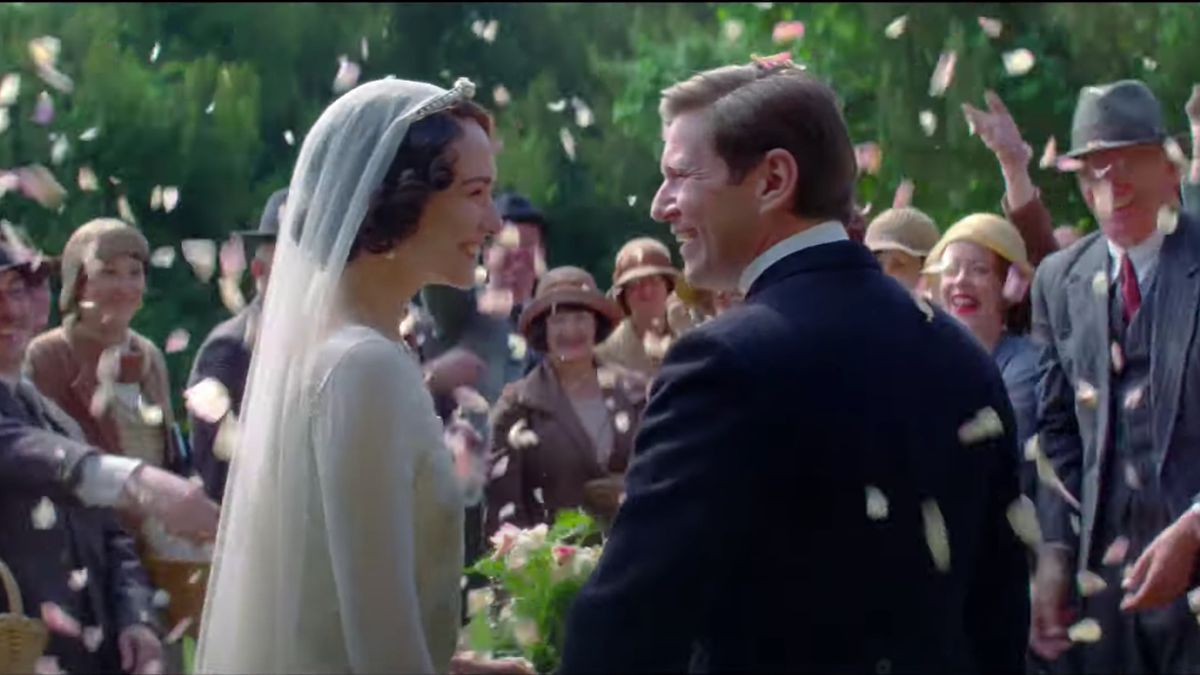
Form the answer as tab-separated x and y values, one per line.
267	69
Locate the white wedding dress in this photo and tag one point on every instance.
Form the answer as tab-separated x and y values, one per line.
340	547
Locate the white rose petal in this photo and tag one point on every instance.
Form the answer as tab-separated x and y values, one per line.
90	134
517	347
161	599
557	106
1118	357
87	179
163	257
896	28
152	415
44	515
170	198
208	400
507	511
500	467
201	254
943	73
936	537
1018	62
877	503
925	307
501	96
10	88
985	425
195	577
621	421
991	27
1090	583
1022	517
1087	630
1100	284
1086	394
125	211
1049	154
1033	448
929	122
1134	398
1168	219
155	51
78	579
1132	479
583	114
568	142
92	637
537	495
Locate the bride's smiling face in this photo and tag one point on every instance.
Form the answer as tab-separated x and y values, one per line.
456	221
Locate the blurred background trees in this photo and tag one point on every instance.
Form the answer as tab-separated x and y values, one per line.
215	99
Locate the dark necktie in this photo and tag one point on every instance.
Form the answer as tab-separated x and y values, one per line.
1131	295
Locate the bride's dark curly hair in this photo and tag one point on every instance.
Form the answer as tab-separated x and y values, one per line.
424	164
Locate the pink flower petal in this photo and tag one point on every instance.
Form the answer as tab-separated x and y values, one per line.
788	31
177	341
943	73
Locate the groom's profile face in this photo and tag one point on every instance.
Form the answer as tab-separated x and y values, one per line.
712	219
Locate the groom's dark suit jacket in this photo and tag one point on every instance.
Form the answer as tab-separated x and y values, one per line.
744	543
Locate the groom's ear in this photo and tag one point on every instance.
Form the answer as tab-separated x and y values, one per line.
776	179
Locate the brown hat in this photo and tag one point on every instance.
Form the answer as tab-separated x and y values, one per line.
98	239
904	229
639	258
567	286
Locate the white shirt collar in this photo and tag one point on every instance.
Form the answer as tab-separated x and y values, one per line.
1144	257
825	233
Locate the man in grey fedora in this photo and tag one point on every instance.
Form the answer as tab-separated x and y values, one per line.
225	354
1119	411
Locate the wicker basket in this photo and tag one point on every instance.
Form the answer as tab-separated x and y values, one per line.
22	639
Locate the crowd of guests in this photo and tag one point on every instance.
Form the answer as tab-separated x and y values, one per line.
104	503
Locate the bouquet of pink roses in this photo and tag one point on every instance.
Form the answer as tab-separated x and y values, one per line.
533	576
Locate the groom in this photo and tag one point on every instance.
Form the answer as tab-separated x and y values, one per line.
768	526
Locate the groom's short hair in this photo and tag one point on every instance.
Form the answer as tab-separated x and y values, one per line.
762	106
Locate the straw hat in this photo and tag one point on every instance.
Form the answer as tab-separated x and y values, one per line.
567	286
989	231
640	258
904	229
104	238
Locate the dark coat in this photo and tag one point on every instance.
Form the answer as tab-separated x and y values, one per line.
564	458
224	355
1071	324
744	542
37	460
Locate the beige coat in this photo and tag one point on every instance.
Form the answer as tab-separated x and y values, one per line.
563	459
623	348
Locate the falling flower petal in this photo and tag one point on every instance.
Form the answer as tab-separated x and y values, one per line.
732	29
44	516
1116	552
78	579
470	400
497	302
1090	583
896	28
124	210
289	137
163	257
583	114
1134	398
1168	219
509	237
1087	630
1100	284
499	468
44	51
1049	154
58	150
1118	357
928	122
178	631
87	179
621	422
170	198
152	415
43	110
58	621
201	254
869	157
156	198
943	73
1018	62
37	183
631	200
877	503
92	637
991	27
517	347
557	106
568	142
10	88
1085	394
1149	63
537	495
212	105
986	424
154	51
925	307
936	537
507	511
347	75
501	96
208	400
1033	448
161	599
1132	479
521	436
1022	517
787	31
364	48
89	134
177	341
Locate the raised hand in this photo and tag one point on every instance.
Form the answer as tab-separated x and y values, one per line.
1164	570
998	131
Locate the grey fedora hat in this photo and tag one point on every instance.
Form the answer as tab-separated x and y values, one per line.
1116	115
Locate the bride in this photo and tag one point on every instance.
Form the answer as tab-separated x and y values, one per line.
340	545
